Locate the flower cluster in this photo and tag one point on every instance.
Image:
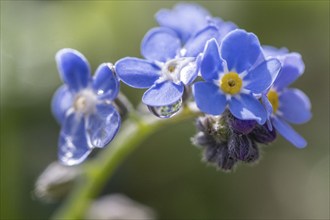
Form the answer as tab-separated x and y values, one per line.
240	86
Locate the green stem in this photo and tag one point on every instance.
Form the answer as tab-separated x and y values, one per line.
96	172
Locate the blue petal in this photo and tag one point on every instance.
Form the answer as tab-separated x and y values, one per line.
74	69
292	67
103	125
105	83
288	133
211	64
295	106
197	43
137	73
208	98
261	78
246	107
160	44
241	50
164	93
61	102
74	145
185	19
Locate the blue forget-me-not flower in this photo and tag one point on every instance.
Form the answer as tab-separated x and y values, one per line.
287	104
168	66
234	74
83	106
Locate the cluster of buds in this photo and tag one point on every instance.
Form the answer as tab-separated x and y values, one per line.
226	140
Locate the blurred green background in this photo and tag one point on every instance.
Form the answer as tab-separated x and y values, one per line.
165	173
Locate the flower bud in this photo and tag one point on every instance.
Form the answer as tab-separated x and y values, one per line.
117	207
55	182
254	153
202	139
241	126
262	134
243	148
211	152
225	159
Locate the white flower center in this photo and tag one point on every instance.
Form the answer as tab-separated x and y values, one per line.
172	69
85	102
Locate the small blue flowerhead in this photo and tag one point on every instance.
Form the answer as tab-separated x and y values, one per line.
287	104
186	19
168	66
83	106
233	75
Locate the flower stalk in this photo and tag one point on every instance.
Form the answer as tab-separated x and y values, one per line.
97	171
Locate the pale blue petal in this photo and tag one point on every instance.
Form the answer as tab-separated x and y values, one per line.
103	125
185	19
137	73
164	93
74	69
190	71
269	108
270	51
196	44
61	102
224	27
292	67
211	64
288	133
74	145
295	106
261	78
160	44
208	98
241	50
267	104
246	107
105	82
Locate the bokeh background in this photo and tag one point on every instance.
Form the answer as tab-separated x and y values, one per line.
166	172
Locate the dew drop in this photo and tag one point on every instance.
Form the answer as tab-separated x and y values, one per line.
166	111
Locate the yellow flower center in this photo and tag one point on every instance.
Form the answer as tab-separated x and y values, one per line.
171	67
231	83
273	99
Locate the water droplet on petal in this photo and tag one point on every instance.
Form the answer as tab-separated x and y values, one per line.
166	111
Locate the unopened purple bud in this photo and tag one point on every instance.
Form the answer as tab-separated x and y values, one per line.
253	153
225	159
262	134
239	146
241	126
243	148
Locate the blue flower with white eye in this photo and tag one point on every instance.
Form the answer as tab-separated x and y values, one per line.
234	74
168	66
83	106
287	104
186	19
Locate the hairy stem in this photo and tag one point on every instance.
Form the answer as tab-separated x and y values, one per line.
96	172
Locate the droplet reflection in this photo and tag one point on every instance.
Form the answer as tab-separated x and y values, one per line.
166	111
